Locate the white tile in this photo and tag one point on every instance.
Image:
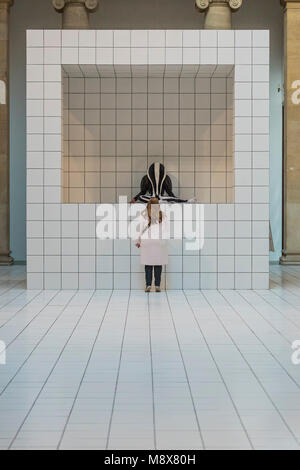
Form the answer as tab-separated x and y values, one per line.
243	38
260	91
35	73
191	55
243	281
260	73
35	38
173	38
226	264
261	108
261	38
191	281
87	55
225	55
52	55
225	38
260	264
70	280
157	38
139	55
173	55
122	38
208	55
260	281
260	212
35	142
243	194
243	143
243	108
52	90
121	281
69	55
261	55
35	281
261	177
87	38
139	38
242	229
52	38
261	143
35	55
209	281
243	91
34	211
104	281
157	55
225	281
121	55
260	229
52	142
70	38
87	281
104	55
208	38
243	56
191	38
104	38
242	73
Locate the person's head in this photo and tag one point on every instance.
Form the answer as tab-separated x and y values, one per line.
153	211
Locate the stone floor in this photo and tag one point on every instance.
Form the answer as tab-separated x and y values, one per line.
128	370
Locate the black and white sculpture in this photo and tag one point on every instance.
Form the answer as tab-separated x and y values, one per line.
156	183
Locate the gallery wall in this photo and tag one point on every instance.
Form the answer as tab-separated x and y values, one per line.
137	14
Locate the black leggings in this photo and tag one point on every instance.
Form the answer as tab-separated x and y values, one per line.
149	275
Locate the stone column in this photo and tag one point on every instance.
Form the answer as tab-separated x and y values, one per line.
291	192
75	13
5	258
218	12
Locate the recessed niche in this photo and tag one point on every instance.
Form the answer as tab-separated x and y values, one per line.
118	120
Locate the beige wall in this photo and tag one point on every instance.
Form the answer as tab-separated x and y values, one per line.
135	14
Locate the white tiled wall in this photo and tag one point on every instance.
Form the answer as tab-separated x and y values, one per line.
62	249
115	127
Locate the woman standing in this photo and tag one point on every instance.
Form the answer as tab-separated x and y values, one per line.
153	242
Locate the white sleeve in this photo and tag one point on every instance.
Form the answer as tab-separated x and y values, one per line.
142	226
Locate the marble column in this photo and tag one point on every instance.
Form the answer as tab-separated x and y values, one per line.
218	12
291	191
75	13
5	258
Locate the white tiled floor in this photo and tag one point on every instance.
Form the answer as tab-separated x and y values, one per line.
127	370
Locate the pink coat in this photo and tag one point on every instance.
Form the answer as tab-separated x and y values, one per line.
154	242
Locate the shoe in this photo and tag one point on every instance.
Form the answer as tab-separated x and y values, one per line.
157	289
148	289
192	201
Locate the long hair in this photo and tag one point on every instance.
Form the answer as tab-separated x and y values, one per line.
158	216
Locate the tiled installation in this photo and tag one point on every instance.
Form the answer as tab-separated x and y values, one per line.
62	248
115	127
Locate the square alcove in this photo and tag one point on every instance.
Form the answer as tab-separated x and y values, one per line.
117	120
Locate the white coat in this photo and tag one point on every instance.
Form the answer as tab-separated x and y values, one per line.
153	241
